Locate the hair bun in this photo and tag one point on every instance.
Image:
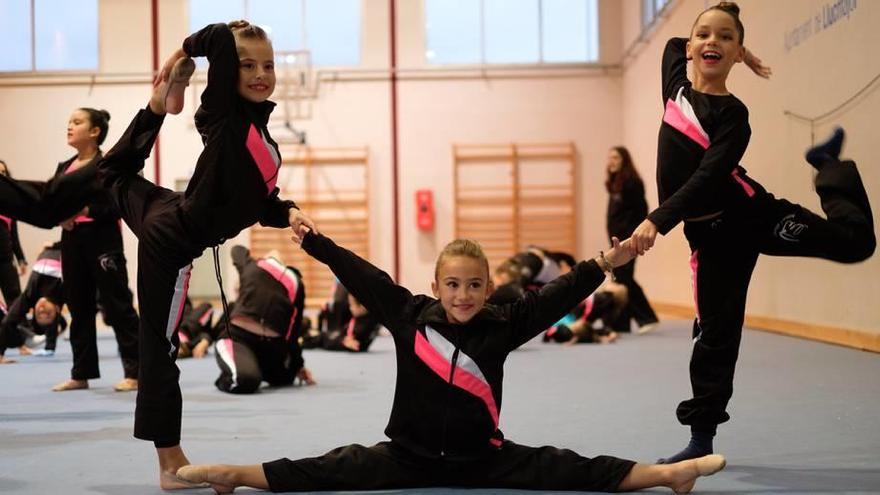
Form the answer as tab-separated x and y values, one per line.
730	7
105	114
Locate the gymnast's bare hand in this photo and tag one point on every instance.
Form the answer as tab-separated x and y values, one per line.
305	376
620	253
301	225
757	66
351	343
643	237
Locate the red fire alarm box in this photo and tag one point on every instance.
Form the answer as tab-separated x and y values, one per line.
425	209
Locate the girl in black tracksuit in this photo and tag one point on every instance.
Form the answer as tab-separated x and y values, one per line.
44	282
344	324
94	262
262	343
196	330
729	218
627	208
232	187
447	402
10	253
444	420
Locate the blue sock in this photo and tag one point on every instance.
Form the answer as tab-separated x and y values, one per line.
700	445
826	151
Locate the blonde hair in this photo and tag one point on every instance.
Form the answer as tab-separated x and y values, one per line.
510	269
245	29
462	247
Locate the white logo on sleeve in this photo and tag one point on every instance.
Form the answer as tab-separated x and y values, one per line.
789	230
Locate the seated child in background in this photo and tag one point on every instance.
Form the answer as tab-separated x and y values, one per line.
196	331
43	297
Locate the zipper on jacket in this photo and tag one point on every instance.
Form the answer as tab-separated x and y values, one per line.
448	400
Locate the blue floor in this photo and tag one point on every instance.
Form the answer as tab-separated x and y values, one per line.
806	416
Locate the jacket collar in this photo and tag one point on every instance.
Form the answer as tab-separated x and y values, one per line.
260	112
434	315
66	164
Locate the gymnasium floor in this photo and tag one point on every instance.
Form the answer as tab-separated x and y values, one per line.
806	416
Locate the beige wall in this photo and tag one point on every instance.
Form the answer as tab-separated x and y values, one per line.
811	78
460	107
596	108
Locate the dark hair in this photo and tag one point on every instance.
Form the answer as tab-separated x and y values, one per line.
614	181
6	167
732	9
99	119
245	29
562	257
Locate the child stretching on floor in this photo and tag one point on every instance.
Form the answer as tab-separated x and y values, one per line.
444	419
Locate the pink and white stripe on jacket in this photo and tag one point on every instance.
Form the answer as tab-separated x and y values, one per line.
436	352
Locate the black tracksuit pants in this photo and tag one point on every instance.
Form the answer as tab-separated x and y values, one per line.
94	263
637	306
247	359
9	282
387	466
165	255
724	251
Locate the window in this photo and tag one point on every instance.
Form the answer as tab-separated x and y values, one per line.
511	31
48	35
329	29
651	9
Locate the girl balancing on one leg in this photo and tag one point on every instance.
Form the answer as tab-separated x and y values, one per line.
232	187
451	350
729	219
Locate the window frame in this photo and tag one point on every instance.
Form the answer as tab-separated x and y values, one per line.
33	70
541	62
304	40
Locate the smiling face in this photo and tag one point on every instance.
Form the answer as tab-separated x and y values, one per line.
462	286
45	312
714	46
256	72
80	131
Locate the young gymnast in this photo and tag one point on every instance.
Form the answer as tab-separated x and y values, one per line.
604	304
451	350
196	332
627	207
233	186
94	262
356	334
506	283
11	253
262	342
44	297
729	218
